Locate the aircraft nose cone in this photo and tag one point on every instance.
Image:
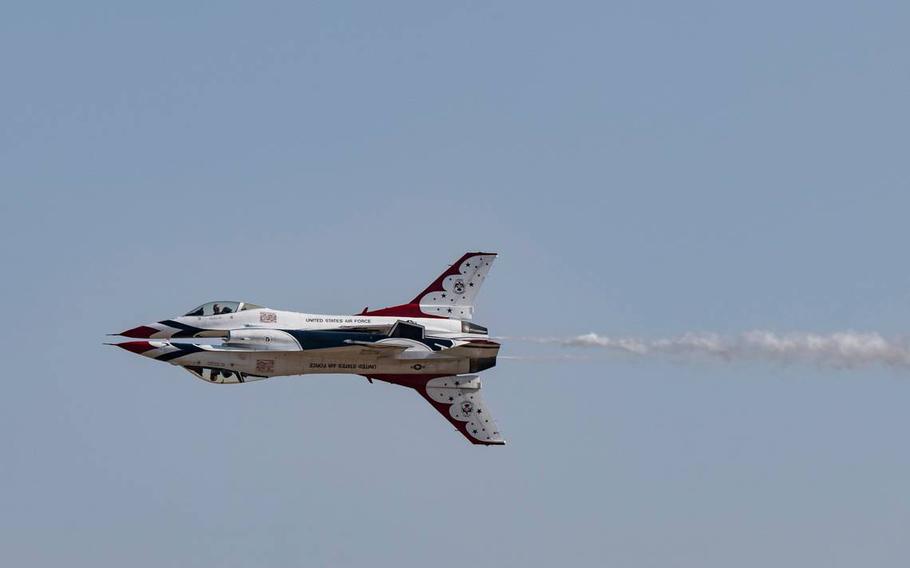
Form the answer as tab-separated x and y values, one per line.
141	332
137	347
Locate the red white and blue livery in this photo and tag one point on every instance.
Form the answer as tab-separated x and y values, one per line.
428	345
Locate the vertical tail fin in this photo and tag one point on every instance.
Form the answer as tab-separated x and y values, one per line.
451	295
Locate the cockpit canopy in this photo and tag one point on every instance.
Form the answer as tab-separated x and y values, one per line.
222	307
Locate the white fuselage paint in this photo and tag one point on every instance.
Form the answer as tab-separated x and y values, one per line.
256	344
264	318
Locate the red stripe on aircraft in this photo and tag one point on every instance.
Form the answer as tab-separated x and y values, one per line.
402	311
141	332
138	347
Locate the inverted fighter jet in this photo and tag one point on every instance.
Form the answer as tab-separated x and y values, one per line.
428	345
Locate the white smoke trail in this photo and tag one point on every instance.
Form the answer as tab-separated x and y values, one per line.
847	349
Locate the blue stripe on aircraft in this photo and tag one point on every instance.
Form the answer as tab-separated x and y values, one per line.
327	339
185	330
183	349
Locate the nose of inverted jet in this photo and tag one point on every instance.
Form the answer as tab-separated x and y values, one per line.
137	347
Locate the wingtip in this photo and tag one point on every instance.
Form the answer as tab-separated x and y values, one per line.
480	442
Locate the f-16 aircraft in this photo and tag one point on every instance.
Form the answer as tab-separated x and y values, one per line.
428	345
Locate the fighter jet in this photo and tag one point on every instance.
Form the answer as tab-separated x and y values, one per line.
428	345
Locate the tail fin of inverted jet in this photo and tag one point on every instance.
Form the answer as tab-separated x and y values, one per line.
451	295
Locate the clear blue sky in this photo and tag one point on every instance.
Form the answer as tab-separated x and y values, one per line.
643	168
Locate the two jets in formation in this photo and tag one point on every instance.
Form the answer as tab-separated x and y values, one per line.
428	344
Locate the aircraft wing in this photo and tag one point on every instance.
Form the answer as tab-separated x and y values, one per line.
458	399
